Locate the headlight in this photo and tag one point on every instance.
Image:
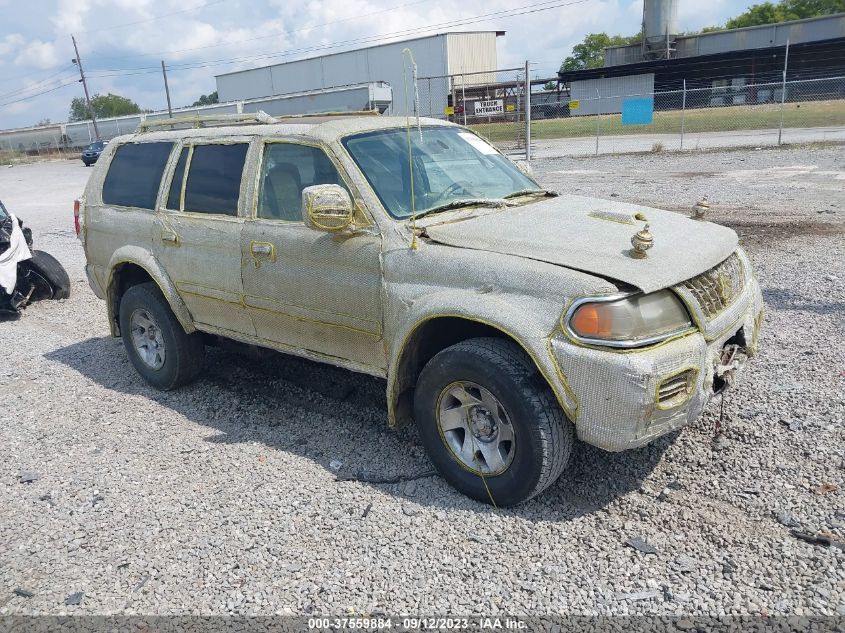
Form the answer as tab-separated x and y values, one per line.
627	321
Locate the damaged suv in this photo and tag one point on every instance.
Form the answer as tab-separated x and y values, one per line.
506	319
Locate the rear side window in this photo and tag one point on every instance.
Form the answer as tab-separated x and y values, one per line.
214	178
135	174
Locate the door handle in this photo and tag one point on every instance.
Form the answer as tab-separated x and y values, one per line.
263	250
169	236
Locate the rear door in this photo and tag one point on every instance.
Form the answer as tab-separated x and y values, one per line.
198	232
308	290
122	212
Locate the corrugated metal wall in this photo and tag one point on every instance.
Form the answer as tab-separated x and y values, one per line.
818	29
471	53
611	90
434	54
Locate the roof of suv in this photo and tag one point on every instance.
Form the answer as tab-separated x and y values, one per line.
327	128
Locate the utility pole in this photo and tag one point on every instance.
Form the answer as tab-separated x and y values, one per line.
78	62
166	89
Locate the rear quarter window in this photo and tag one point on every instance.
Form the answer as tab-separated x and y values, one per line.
134	174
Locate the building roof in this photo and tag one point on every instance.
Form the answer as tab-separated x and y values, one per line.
763	36
679	66
353	50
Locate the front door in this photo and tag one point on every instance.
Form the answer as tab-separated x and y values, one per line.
198	234
309	291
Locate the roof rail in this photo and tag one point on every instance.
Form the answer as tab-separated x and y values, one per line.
212	120
220	120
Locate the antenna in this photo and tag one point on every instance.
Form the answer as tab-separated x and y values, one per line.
414	243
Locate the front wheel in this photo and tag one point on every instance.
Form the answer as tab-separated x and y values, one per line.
158	347
490	423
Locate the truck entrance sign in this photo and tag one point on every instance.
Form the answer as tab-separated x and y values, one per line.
487	108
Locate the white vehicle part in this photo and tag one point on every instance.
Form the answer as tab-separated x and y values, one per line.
18	251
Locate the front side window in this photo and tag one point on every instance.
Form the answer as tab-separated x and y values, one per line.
450	165
287	169
214	178
134	174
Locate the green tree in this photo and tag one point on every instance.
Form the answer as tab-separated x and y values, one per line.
103	105
208	99
784	10
590	52
550	85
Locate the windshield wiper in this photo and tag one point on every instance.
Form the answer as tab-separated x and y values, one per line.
465	202
528	192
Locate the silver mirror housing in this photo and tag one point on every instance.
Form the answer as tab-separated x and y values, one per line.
327	208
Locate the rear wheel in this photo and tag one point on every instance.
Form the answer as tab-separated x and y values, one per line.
490	422
158	347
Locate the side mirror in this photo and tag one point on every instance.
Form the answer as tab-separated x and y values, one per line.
327	208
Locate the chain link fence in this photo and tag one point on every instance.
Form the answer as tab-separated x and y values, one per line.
730	113
491	103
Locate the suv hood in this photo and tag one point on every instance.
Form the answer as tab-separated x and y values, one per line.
594	236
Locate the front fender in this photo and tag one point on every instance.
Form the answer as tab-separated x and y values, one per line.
526	320
144	259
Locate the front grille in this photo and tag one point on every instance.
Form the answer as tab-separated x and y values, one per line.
675	390
717	288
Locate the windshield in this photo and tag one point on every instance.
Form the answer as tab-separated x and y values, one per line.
449	165
98	145
3	213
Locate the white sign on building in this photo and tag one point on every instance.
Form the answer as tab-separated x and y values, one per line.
488	108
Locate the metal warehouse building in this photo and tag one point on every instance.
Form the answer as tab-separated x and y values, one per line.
436	56
725	62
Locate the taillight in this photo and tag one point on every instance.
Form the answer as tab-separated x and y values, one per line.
76	226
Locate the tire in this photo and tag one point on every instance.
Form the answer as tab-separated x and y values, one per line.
173	358
51	269
528	412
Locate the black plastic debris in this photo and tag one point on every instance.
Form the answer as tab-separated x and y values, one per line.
23	593
641	545
74	599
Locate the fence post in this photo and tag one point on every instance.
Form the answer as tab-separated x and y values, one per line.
527	102
430	104
464	97
683	114
598	118
783	93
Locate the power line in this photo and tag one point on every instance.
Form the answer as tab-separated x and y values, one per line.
36	85
153	18
69	83
505	13
275	34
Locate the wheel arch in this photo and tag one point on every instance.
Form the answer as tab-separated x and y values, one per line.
432	333
131	266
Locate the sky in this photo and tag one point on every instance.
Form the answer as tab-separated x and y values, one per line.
122	42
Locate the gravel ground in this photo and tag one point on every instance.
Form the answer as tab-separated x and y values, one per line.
223	497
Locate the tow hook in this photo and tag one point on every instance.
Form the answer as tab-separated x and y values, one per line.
730	360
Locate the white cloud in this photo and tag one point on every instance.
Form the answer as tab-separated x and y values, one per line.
11	43
38	54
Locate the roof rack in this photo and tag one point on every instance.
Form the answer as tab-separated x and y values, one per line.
221	120
212	120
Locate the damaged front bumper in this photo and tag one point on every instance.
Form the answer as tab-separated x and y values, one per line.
626	399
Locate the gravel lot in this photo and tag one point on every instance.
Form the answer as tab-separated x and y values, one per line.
223	497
